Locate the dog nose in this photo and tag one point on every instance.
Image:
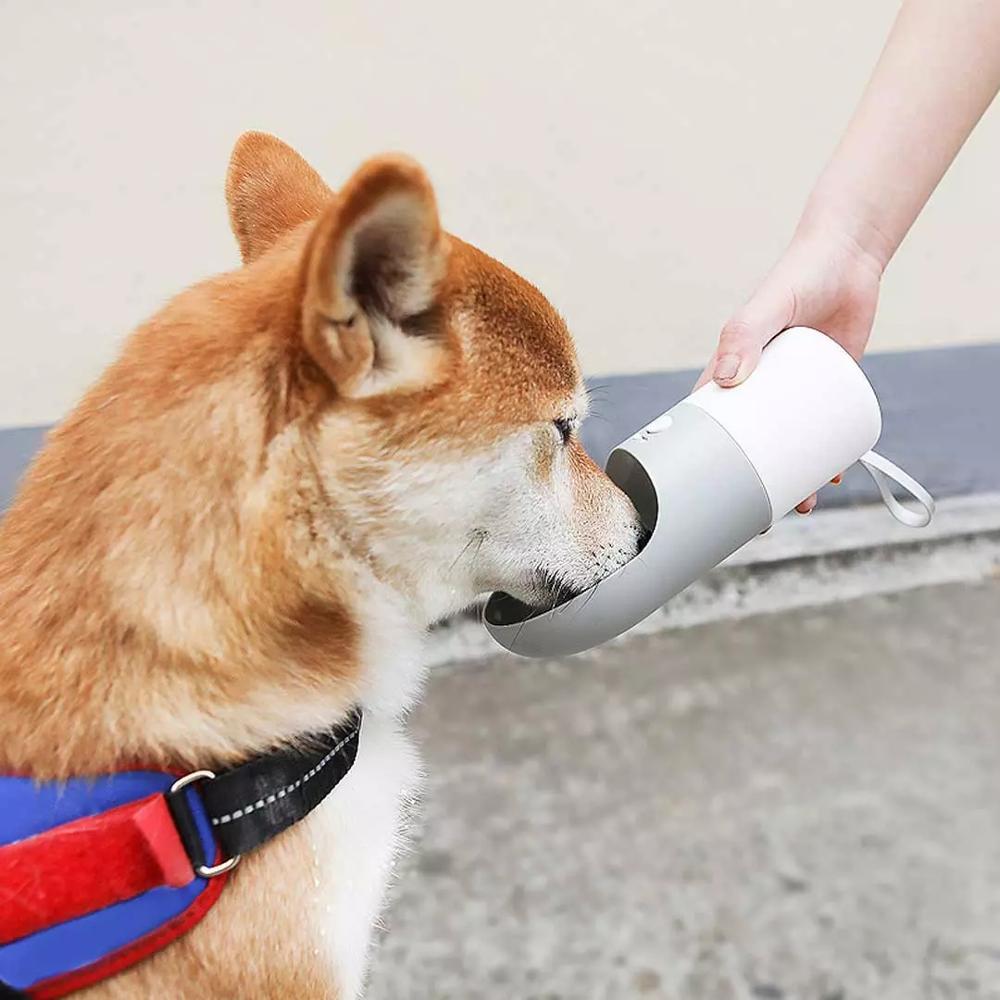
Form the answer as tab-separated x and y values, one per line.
643	534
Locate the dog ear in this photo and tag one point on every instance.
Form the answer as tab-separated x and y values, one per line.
270	190
374	265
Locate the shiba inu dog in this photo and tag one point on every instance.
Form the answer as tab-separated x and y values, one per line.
248	523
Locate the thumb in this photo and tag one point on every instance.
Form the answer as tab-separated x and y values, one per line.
747	333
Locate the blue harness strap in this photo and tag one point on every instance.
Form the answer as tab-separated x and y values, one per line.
71	924
66	951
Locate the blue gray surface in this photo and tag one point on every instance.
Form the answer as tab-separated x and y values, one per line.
940	408
17	447
941	420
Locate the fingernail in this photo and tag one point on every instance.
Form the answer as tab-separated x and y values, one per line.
726	368
837	480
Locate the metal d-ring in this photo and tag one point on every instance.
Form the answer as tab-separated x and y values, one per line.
206	871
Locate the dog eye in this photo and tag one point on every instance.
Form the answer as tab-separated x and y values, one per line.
565	429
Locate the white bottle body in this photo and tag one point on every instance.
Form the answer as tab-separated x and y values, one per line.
805	415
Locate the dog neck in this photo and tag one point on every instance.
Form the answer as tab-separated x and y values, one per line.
181	622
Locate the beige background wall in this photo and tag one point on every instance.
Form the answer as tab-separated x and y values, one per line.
642	162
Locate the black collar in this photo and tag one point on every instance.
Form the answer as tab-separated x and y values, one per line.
248	805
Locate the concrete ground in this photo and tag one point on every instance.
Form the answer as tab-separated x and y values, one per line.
803	805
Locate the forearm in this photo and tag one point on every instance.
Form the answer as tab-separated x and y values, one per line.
938	72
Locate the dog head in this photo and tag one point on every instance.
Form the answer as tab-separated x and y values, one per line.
440	393
289	467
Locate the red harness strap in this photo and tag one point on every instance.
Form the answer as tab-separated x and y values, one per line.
96	874
89	864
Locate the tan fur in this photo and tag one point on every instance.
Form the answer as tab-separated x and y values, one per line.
181	574
263	206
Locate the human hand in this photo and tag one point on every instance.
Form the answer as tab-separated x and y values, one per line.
826	280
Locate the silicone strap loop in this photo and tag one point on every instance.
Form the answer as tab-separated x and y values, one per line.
884	473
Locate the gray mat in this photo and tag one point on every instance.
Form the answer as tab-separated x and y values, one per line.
941	420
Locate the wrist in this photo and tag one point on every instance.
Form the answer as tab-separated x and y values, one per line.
854	227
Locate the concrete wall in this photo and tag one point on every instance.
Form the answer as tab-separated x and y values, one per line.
641	162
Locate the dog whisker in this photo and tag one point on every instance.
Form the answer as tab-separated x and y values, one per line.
477	539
